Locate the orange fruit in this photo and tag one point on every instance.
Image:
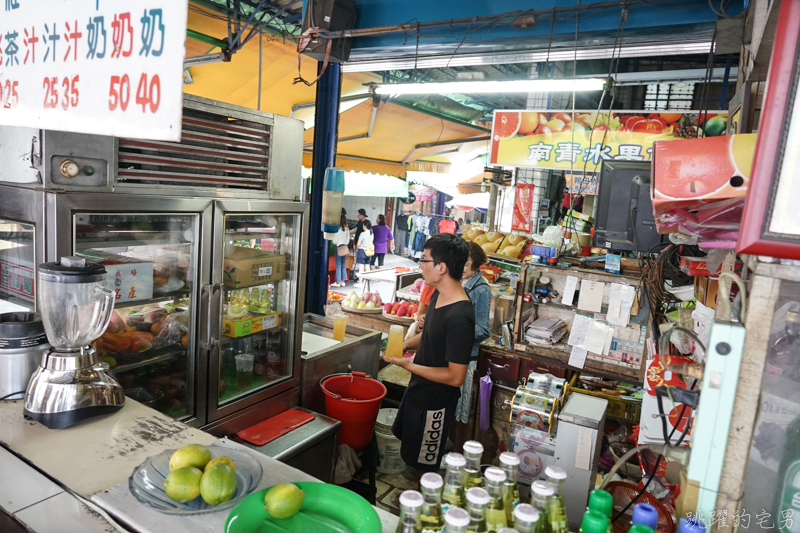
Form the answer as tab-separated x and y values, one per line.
507	124
671	117
530	121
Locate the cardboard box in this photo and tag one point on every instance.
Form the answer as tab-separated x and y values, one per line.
247	325
17	276
246	267
696	266
581	216
690	173
576	224
705	290
131	279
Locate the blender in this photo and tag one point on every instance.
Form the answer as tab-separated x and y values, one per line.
71	384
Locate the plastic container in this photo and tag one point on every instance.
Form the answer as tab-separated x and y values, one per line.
646	515
354	399
389	460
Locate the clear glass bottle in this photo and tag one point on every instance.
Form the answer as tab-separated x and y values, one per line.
477	502
494	480
602	502
509	462
410	506
456	520
541	491
558	510
473	450
254	297
431	516
264	301
526	518
453	494
782	356
594	522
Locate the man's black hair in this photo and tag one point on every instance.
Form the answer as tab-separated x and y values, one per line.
451	250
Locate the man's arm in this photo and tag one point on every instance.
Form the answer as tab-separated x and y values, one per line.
411	343
453	374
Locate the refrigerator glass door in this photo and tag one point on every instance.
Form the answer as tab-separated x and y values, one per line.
17	266
151	262
259	299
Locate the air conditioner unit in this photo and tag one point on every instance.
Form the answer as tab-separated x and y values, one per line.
332	16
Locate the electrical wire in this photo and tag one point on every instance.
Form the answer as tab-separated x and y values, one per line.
12	394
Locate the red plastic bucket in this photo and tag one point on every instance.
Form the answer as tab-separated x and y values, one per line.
354	399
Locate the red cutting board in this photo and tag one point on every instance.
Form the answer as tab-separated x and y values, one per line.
274	427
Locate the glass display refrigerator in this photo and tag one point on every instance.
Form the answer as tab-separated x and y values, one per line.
203	244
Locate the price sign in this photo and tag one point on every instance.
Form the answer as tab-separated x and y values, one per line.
93	66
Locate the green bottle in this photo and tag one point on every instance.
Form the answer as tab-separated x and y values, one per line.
594	522
495	513
558	510
509	462
602	502
541	492
788	492
640	528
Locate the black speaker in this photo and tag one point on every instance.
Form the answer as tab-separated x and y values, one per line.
330	15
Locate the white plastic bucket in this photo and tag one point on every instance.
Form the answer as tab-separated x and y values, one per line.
389	460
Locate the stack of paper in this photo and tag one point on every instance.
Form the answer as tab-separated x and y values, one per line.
588	336
546	331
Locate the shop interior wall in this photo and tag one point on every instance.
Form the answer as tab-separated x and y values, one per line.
374	206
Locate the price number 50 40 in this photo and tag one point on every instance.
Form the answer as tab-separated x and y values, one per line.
148	94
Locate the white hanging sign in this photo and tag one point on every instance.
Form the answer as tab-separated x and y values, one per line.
93	66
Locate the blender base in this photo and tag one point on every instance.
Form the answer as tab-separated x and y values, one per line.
66	419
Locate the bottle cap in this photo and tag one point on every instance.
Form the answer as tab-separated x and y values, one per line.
478	496
646	515
640	528
601	501
594	522
555	472
431	480
411	499
495	474
508	530
473	447
509	458
456	517
455	459
691	525
543	488
526	513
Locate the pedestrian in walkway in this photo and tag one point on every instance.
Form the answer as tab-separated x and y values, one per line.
365	243
384	241
341	240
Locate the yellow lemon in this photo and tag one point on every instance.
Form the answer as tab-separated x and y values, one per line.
195	455
183	484
222	459
284	500
218	484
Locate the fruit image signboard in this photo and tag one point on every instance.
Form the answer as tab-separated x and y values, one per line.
581	140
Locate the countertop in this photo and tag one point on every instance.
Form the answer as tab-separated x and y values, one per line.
94	459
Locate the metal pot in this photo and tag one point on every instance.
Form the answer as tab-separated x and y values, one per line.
22	344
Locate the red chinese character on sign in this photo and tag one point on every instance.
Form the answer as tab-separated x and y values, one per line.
72	36
132	293
133	272
118	274
118	296
30	45
122	26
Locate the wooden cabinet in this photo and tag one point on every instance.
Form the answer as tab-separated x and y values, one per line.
505	368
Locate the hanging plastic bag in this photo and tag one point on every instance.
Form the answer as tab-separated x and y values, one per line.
485	393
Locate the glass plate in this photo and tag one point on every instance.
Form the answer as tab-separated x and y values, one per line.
147	482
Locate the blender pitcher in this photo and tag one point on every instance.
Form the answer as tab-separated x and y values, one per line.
74	304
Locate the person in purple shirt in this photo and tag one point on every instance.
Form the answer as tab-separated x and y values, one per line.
383	239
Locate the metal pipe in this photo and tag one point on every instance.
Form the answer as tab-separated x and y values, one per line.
203	38
304	105
368	159
217	8
490	215
440	116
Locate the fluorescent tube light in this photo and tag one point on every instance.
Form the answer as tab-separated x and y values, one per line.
483	87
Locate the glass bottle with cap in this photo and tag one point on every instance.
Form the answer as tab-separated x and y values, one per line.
646	515
453	494
431	516
456	520
558	510
496	518
509	462
526	518
691	525
473	450
602	502
594	522
541	491
477	502
410	507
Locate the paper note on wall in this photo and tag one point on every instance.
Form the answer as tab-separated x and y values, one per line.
577	357
580	325
583	448
569	290
596	335
591	297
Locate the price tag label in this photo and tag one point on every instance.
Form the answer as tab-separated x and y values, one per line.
93	66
